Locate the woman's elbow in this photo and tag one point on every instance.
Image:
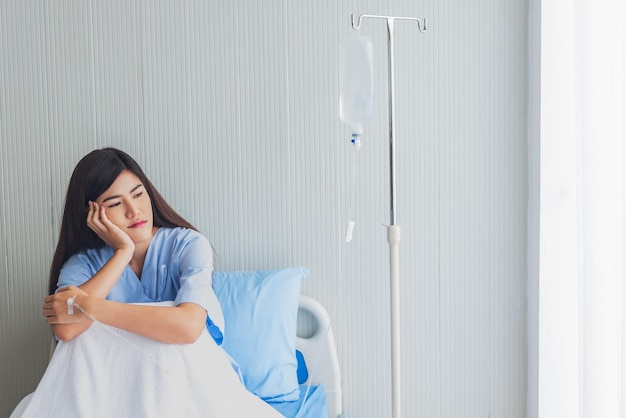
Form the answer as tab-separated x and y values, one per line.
65	333
189	334
193	324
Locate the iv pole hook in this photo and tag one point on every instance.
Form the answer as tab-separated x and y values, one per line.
421	26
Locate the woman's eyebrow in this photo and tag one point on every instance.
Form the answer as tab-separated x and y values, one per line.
117	195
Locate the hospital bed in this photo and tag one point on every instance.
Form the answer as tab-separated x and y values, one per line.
318	393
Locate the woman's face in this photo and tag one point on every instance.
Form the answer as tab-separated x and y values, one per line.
128	205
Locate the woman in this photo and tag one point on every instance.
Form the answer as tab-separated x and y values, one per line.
120	242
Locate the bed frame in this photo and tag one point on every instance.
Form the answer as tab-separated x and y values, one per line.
320	355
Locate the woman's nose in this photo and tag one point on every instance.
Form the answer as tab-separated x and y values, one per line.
131	210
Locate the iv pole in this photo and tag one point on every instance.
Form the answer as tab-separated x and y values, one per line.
393	230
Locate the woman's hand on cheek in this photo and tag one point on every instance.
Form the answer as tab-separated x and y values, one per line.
56	309
110	233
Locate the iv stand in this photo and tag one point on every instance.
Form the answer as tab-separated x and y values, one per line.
393	230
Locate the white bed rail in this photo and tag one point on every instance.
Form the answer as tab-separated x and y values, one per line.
320	353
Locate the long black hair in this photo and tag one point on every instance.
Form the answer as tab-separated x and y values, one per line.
92	176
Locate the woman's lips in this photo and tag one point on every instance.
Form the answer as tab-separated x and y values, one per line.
137	224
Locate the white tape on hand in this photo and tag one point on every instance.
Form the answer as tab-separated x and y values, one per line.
70	305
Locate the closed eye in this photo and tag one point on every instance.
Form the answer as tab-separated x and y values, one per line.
138	195
112	205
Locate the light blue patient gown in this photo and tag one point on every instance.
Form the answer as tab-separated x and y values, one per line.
178	267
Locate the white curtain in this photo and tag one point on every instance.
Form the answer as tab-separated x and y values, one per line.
576	231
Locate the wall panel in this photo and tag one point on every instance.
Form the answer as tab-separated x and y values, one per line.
25	231
232	110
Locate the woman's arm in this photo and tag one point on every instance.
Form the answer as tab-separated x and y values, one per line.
181	324
99	286
103	281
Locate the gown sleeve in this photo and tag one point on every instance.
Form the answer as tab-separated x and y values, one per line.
196	282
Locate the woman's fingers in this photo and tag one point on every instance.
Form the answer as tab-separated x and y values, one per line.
94	217
97	215
102	215
91	217
109	232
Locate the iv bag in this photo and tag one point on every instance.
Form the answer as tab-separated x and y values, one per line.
356	82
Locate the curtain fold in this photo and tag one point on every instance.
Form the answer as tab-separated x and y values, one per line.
581	228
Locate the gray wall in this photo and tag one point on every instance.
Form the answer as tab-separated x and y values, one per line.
232	109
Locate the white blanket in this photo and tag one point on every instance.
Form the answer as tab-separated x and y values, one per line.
107	372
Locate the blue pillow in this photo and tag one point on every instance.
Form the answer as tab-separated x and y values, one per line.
260	319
